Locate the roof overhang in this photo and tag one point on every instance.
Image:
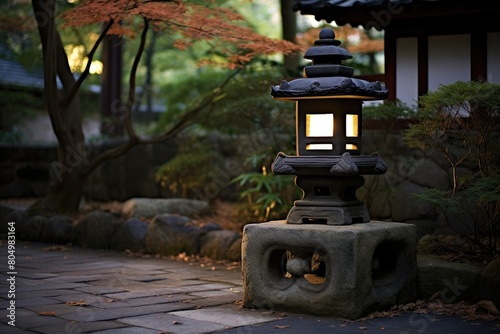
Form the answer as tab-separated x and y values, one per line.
380	13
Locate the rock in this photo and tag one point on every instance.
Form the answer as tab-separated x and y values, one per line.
17	189
406	207
455	281
234	251
151	207
18	217
424	226
95	230
5	210
57	229
171	235
131	235
379	206
375	193
429	174
216	244
210	227
427	239
490	282
33	228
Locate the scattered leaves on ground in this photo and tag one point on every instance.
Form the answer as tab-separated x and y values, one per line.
77	303
56	248
48	313
481	311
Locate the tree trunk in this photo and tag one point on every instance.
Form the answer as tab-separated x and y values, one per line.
289	28
111	104
65	115
73	167
64	195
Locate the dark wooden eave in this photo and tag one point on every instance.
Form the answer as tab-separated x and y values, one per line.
380	13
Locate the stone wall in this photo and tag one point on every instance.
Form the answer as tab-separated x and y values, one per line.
26	172
390	196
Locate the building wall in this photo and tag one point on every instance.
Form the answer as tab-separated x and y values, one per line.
423	62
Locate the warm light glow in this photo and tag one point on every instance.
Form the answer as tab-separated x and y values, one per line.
351	146
319	147
351	125
96	66
319	125
76	56
78	61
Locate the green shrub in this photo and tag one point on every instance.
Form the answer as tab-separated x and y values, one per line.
268	196
461	121
192	168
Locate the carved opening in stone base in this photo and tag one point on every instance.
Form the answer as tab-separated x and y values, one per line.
277	265
385	260
309	266
318	221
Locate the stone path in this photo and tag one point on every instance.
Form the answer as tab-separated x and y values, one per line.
88	291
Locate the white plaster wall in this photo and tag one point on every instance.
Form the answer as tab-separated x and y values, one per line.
38	129
407	70
449	60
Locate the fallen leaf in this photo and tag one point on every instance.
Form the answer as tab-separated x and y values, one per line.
175	322
436	295
488	306
108	300
56	248
281	327
48	313
78	303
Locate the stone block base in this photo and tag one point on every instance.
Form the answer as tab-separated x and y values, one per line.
343	271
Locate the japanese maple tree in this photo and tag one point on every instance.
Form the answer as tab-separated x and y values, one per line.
192	21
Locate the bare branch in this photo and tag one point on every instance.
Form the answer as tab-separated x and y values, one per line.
187	118
47	30
132	83
109	154
86	72
183	123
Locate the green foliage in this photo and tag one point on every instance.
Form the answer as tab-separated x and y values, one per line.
15	107
192	168
245	106
11	137
269	196
461	121
388	110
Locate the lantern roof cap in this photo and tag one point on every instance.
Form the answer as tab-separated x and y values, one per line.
327	77
326	49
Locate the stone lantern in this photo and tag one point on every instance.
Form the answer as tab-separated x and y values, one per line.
327	257
328	164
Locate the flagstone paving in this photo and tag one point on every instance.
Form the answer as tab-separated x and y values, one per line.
75	290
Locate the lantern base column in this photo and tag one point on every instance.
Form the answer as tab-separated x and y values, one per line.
329	200
328	215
